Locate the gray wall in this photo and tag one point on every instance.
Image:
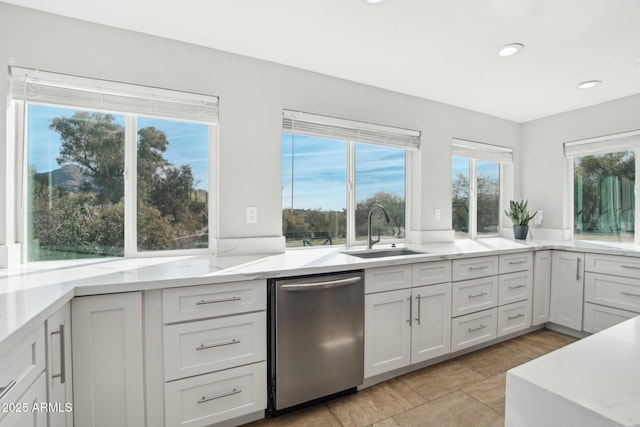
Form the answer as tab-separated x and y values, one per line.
252	95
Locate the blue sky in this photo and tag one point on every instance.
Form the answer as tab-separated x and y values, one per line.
320	172
483	167
188	142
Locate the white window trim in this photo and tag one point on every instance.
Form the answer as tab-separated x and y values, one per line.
17	123
625	141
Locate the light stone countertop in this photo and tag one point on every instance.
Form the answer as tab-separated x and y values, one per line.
589	383
30	293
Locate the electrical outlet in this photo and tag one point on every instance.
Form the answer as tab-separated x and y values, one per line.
537	219
251	214
436	214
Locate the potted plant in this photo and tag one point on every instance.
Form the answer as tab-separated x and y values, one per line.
520	216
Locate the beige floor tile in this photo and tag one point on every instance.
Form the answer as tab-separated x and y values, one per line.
441	379
490	392
544	341
495	359
315	416
389	422
375	403
455	409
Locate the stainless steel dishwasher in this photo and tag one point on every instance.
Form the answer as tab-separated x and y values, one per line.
316	337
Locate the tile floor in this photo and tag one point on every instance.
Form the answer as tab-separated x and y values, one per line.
466	391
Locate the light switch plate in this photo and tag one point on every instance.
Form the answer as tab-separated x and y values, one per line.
251	214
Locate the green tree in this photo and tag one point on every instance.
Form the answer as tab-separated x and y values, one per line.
94	142
394	204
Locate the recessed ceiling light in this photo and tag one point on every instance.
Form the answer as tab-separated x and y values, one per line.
373	1
510	49
589	84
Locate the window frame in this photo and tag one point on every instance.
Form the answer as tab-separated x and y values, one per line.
19	110
351	203
625	141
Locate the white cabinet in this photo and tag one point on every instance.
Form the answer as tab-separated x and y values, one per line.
474	295
406	325
431	325
108	380
59	369
471	268
472	329
541	287
387	331
215	351
23	383
567	289
598	317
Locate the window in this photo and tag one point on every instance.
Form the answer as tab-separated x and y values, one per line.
604	171
477	181
330	183
105	183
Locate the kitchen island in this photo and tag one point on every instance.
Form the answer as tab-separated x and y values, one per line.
592	382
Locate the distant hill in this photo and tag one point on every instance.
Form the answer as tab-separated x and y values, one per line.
68	177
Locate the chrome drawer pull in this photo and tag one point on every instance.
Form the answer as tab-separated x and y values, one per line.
481	294
515	317
517	262
418	318
630	294
62	374
214	301
479	268
217	344
4	390
410	310
517	287
477	329
632	267
219	396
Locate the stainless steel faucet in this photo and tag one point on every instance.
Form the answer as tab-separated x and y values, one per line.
370	241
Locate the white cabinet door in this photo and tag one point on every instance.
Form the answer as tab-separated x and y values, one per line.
59	367
431	330
567	289
108	380
25	412
541	287
387	331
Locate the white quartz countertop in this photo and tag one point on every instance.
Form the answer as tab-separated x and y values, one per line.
592	382
32	292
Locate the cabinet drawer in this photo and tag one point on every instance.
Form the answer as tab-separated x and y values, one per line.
211	345
206	301
612	264
472	329
514	317
212	398
514	287
474	295
431	273
618	292
24	415
510	263
599	317
387	278
470	268
21	365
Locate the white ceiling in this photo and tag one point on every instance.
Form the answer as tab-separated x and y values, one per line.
443	50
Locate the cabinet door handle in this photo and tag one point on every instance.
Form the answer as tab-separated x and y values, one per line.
418	318
632	267
578	269
410	310
481	294
517	287
483	267
517	262
219	396
477	329
516	316
631	294
217	344
4	390
62	375
215	301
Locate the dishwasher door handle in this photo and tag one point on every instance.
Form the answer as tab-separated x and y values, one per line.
321	285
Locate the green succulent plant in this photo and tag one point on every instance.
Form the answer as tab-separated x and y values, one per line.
519	213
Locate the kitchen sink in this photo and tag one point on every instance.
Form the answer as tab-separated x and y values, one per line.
383	253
